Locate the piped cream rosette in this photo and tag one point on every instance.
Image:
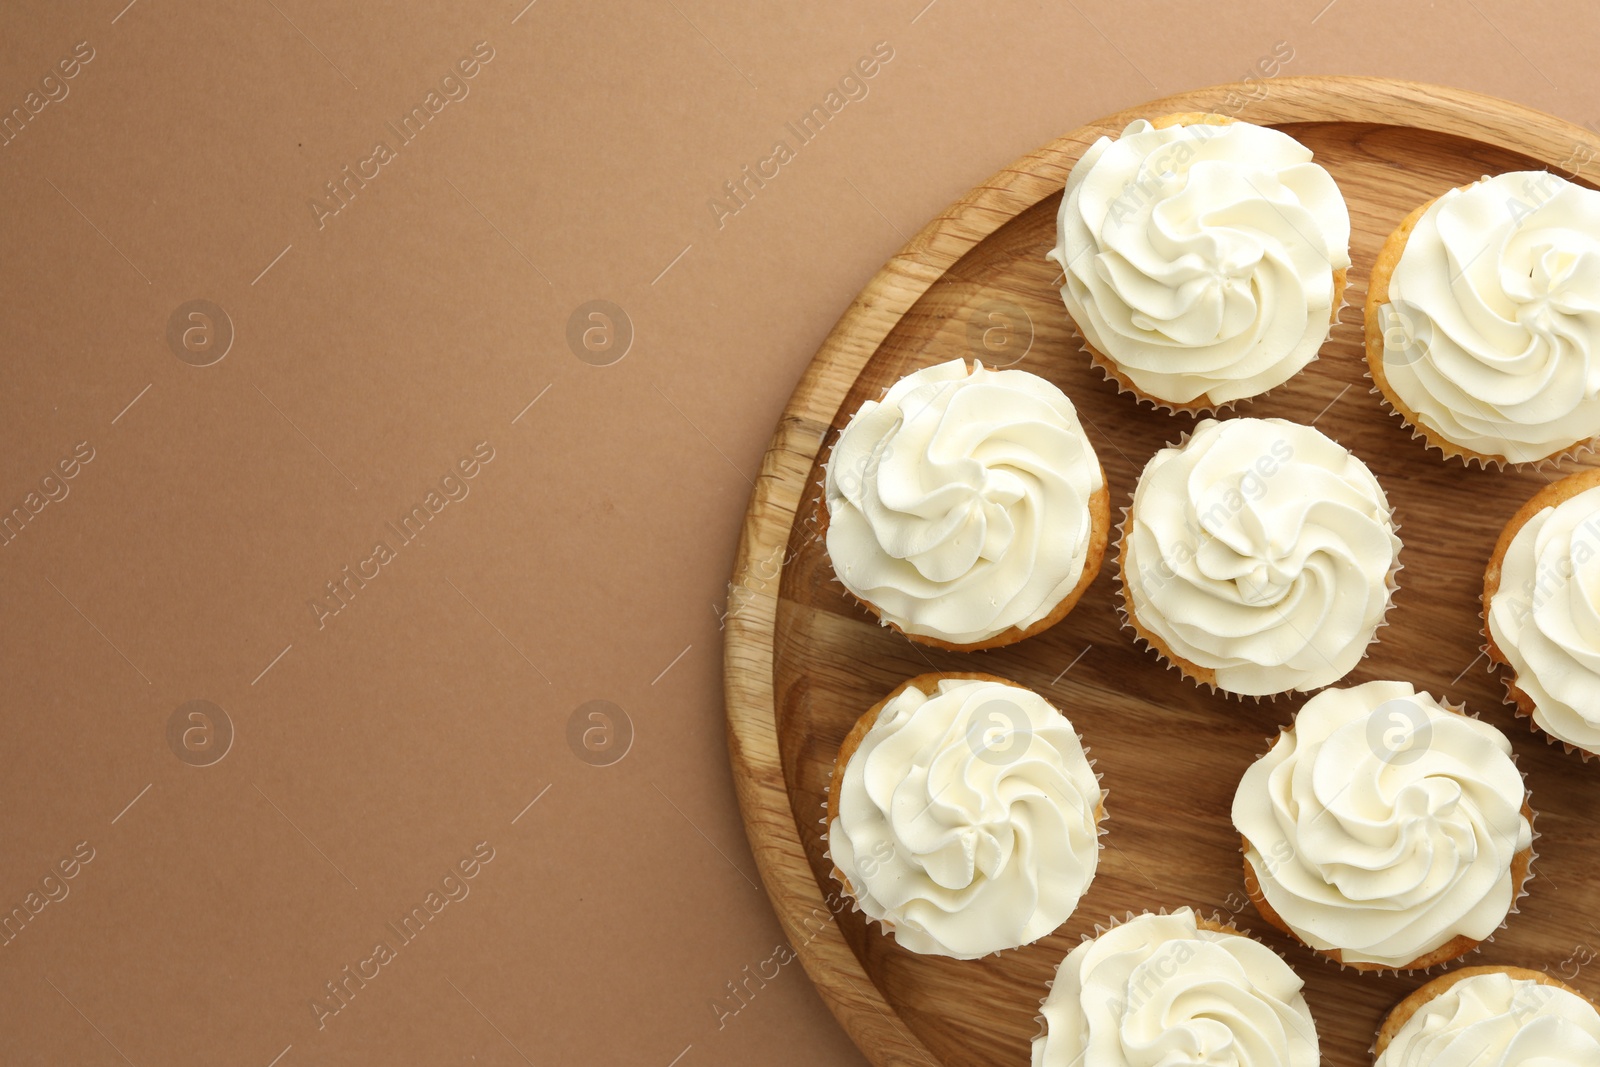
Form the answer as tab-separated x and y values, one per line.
1258	557
964	815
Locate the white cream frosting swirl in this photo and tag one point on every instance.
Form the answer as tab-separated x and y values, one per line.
1262	550
1200	259
1160	991
1492	330
1495	1020
968	820
1384	825
959	504
1545	617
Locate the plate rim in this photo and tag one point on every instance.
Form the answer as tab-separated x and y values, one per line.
750	624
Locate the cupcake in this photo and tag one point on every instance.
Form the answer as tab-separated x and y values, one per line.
1175	989
966	509
1483	319
1541	610
1490	1016
1258	557
964	816
1204	259
1384	829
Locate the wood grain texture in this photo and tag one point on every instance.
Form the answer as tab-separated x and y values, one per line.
803	661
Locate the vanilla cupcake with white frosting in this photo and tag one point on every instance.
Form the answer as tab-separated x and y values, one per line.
1258	557
964	815
1541	610
1204	258
967	508
1384	829
1483	319
1175	989
1491	1017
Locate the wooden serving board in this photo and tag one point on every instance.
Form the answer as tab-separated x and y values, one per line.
803	661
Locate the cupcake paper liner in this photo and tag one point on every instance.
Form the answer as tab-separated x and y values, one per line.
1447	449
1519	892
991	644
1451	452
1125	610
1515	696
1108	366
885	926
1521	703
1512	693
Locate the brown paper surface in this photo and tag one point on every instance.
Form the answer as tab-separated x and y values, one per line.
411	381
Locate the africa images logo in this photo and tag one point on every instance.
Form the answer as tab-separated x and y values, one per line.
454	86
340	991
340	592
853	87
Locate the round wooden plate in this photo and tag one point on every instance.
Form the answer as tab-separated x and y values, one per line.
803	661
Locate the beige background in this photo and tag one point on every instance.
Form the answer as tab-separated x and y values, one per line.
375	748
